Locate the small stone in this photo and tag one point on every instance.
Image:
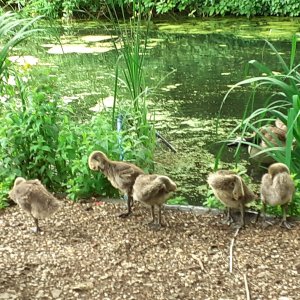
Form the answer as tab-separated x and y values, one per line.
7	296
40	294
56	293
82	286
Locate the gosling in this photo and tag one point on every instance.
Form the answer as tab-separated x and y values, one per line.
153	190
121	175
34	199
232	191
277	188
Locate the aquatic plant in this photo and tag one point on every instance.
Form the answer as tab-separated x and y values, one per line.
282	102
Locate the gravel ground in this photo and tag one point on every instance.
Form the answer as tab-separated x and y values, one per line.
87	252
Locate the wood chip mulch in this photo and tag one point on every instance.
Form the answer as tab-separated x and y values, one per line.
87	252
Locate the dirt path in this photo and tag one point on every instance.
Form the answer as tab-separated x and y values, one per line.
87	252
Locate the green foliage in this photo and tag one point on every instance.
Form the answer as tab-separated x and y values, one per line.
5	186
235	7
13	30
76	142
68	8
29	138
43	141
283	102
48	8
178	201
212	202
294	207
41	138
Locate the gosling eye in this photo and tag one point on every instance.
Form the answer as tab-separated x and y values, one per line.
232	184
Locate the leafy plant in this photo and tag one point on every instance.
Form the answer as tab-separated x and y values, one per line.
76	142
180	200
13	30
295	204
211	201
282	102
69	8
44	141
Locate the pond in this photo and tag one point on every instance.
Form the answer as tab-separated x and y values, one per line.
195	62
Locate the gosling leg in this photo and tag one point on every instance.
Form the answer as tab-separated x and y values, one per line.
129	204
152	222
158	225
284	222
229	219
159	215
36	229
242	209
263	211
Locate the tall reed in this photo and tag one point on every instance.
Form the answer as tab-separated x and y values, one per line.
129	72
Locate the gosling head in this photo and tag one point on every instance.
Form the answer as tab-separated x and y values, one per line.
277	168
12	192
238	188
97	160
19	180
170	185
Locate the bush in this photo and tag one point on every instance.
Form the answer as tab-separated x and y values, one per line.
44	140
87	8
40	138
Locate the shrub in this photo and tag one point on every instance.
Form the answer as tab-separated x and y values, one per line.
69	8
40	138
13	30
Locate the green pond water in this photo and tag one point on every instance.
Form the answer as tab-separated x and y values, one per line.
206	56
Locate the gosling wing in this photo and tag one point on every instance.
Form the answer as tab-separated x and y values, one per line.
266	188
284	186
148	187
126	174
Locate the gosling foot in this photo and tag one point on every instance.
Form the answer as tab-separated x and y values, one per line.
255	219
156	226
286	224
238	226
266	224
124	215
36	230
227	221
